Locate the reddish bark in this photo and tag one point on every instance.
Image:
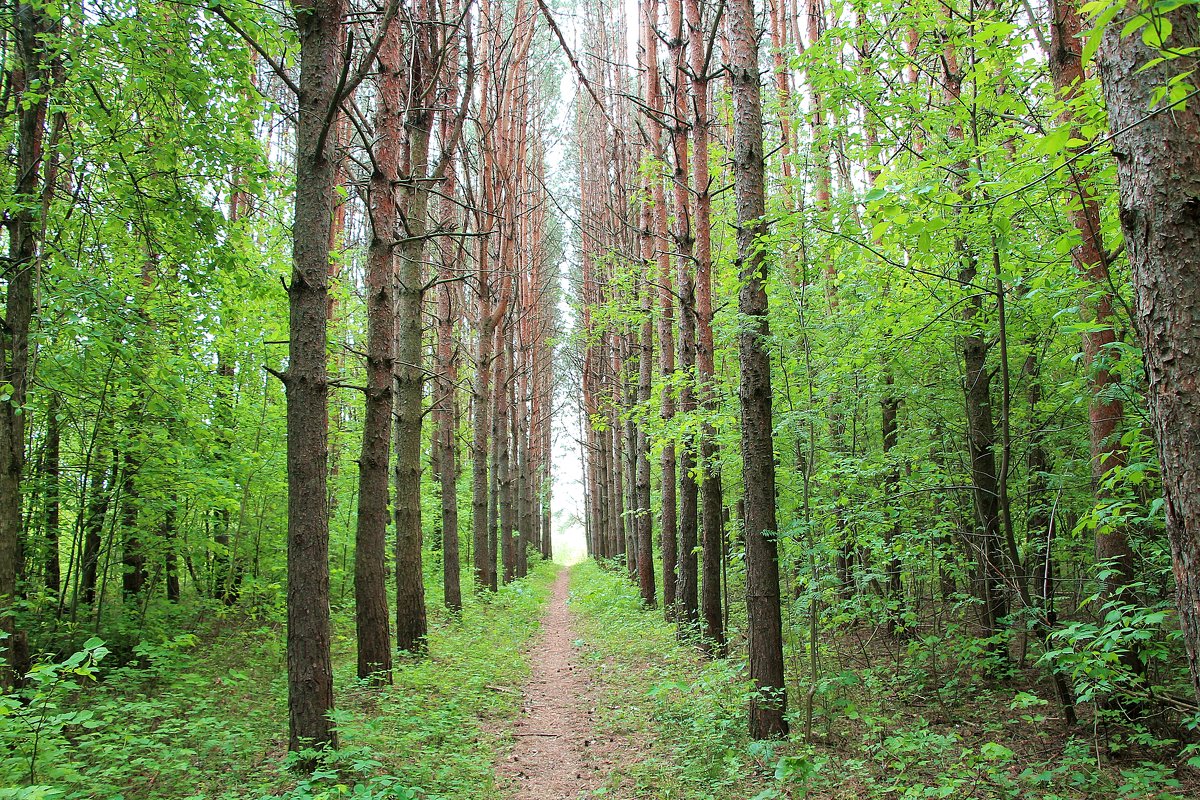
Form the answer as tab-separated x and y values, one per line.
687	578
370	541
666	318
712	517
1100	356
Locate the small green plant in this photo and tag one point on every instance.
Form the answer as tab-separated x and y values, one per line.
36	719
351	773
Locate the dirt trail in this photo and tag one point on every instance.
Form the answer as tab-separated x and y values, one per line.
557	754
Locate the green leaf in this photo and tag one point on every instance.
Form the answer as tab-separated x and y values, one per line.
993	751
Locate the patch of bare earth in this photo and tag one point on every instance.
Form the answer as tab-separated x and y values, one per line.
557	753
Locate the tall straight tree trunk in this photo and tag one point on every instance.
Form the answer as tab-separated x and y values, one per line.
1100	356
645	359
666	319
764	622
688	612
371	622
1158	169
777	23
446	418
521	452
493	523
712	511
481	423
504	477
30	81
411	623
630	369
616	444
310	672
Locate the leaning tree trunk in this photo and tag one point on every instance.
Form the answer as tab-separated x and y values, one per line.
310	672
1158	169
764	623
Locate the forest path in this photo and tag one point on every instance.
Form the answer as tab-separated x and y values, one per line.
557	753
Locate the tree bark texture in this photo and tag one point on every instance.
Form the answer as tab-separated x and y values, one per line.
1158	169
764	623
1100	356
30	80
370	543
310	672
712	513
411	622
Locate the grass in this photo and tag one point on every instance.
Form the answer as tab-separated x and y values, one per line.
879	732
203	714
685	715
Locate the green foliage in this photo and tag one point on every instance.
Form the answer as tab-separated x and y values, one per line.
39	720
346	773
692	712
203	715
880	732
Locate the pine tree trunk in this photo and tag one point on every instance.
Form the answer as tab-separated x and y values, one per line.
411	623
1105	407
504	472
1158	169
310	672
712	513
666	317
645	361
764	623
687	579
446	422
480	429
371	622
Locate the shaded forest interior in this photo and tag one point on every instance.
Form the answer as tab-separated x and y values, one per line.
853	347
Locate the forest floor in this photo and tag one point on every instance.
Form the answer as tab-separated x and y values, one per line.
557	751
558	687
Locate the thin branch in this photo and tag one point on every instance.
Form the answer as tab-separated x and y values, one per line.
275	66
